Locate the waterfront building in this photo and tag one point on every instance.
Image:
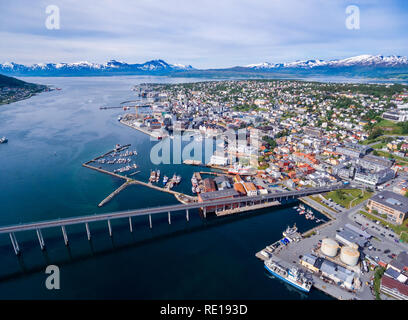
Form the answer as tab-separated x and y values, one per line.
391	204
394	288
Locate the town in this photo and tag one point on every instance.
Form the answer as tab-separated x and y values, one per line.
301	135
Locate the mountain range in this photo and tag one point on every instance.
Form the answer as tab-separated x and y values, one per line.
359	66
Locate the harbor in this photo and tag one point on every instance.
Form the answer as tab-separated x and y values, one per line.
183	198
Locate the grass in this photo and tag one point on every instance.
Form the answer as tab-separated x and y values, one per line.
390	155
379	272
348	197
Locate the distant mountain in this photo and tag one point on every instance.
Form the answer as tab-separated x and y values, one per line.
85	68
367	66
358	61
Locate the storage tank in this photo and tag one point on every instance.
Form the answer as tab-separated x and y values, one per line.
349	255
329	247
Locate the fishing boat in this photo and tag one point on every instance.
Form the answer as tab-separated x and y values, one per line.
293	276
152	176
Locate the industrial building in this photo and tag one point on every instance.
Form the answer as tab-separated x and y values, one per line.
391	204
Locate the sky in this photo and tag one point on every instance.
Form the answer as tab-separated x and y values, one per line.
204	34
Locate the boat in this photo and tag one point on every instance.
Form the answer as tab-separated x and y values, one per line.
293	276
193	189
301	206
3	140
302	212
178	179
165	179
290	231
119	118
157	175
152	176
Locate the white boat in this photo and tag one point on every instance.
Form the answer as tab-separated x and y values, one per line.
3	140
293	276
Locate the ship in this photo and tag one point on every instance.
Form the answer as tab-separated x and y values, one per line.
290	231
3	140
292	276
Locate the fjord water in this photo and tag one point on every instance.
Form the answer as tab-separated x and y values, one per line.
41	177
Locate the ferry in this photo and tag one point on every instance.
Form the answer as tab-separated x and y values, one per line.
292	276
3	140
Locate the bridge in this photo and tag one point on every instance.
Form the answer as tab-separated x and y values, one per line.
224	204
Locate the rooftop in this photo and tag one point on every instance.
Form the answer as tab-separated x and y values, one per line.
393	200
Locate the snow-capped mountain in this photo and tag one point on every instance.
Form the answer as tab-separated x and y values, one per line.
88	68
358	61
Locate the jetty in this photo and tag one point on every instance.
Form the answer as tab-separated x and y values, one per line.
181	197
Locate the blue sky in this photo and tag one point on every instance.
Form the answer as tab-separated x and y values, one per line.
205	34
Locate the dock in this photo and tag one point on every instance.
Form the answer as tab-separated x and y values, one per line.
183	198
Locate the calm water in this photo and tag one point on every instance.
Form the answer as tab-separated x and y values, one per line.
41	177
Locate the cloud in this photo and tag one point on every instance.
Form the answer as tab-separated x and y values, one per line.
212	33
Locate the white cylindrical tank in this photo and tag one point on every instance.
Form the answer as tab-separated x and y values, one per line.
329	247
349	255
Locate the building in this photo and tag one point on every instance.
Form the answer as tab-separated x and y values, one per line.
391	204
396	115
350	237
310	261
394	288
313	132
239	187
354	150
373	178
218	195
374	163
209	185
250	189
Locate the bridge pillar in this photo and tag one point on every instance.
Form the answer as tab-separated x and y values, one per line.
14	243
150	221
40	239
88	233
187	217
130	224
168	214
110	228
64	233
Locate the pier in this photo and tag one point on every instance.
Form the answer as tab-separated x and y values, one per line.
249	202
183	198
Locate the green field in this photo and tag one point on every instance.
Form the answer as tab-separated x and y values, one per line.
348	197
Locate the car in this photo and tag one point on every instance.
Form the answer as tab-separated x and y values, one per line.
383	234
391	235
387	251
